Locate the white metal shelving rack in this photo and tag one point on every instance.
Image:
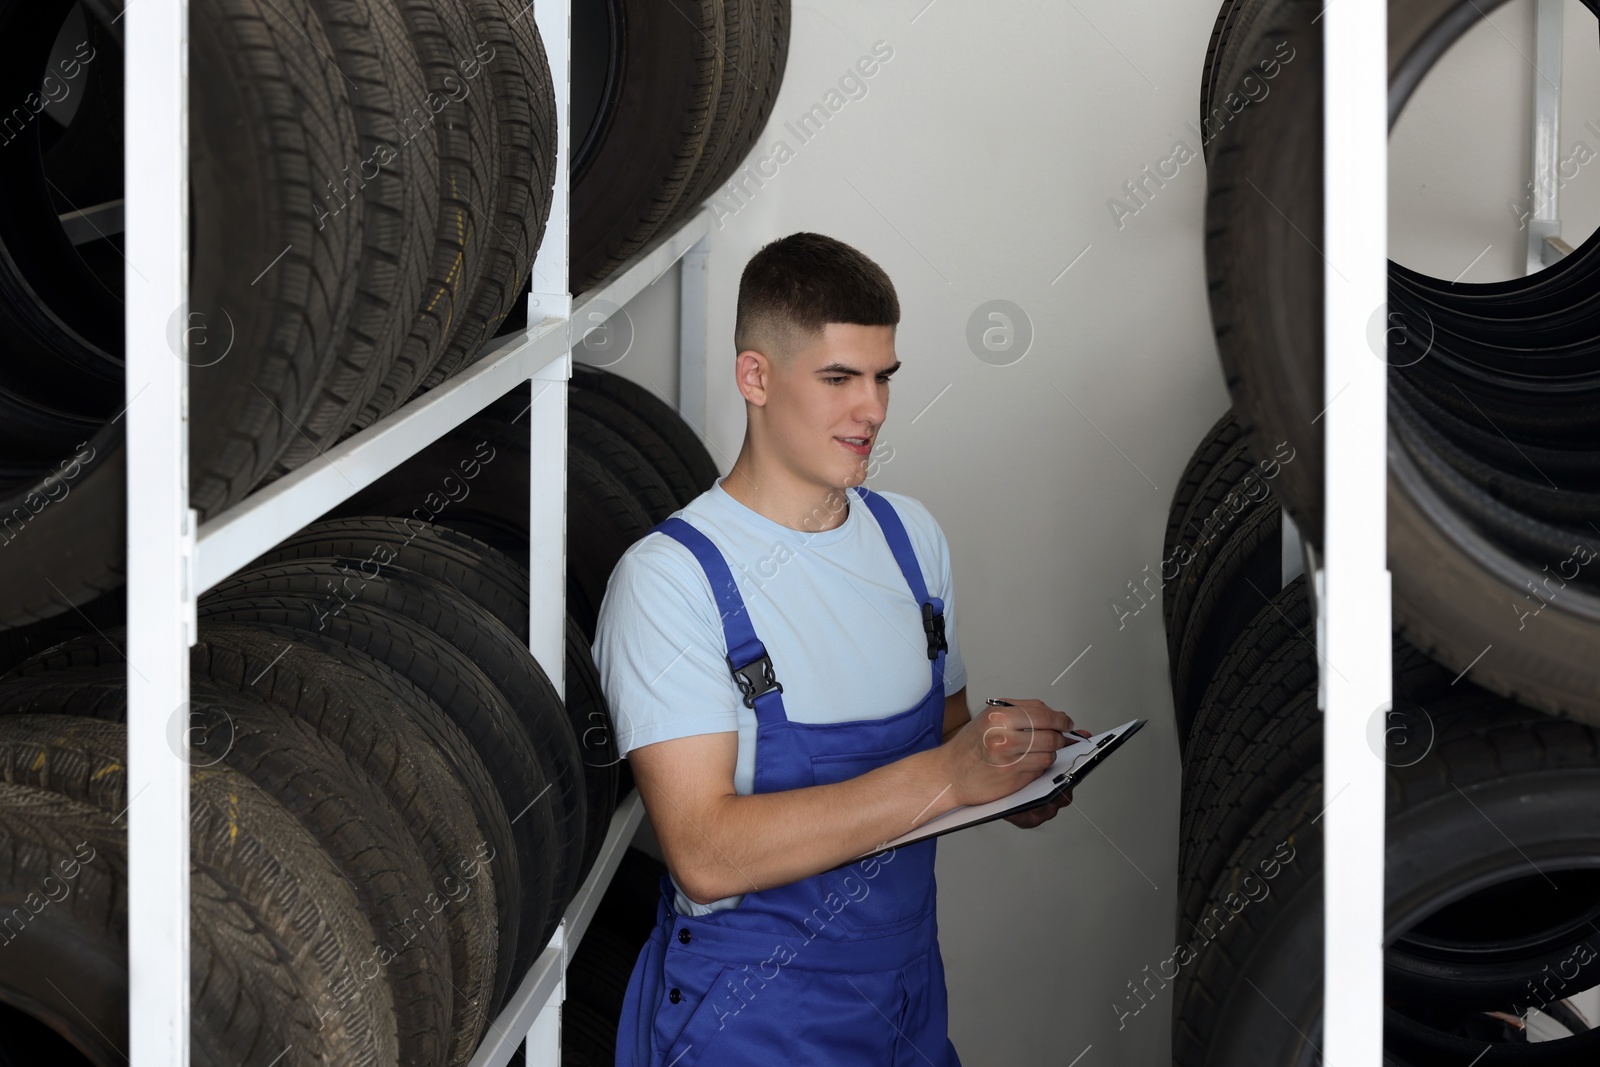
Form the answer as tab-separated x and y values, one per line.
1352	583
170	562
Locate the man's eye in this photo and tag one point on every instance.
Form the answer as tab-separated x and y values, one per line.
837	380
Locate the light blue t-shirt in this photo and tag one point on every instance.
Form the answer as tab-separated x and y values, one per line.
832	608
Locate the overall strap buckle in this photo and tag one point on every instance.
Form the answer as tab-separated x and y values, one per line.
753	682
933	626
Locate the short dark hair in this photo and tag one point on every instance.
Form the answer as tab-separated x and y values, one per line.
796	285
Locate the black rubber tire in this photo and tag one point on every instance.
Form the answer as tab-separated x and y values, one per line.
588	1035
1283	843
243	847
1285	618
480	638
468	697
1532	777
609	449
606	518
461	109
652	134
1213	446
77	943
65	535
1497	485
1244	759
85	159
603	518
22	642
1514	356
473	479
1249	747
340	809
496	583
62	494
1244	575
445	737
247	1003
1226	67
340	704
1229	489
628	905
769	55
272	282
525	108
597	740
1258	259
401	215
62	324
737	66
476	570
1456	593
597	982
687	445
639	434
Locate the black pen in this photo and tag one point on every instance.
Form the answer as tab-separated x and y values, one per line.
1074	734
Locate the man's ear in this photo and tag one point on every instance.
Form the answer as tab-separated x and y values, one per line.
753	373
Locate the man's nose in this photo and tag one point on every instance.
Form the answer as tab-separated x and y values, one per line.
871	406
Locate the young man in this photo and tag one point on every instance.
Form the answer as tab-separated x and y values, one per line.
781	662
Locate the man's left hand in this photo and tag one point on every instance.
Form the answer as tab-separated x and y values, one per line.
1042	814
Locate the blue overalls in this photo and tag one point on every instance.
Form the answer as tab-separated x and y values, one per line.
836	970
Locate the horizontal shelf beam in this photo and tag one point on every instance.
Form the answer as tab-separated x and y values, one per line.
644	270
267	516
243	532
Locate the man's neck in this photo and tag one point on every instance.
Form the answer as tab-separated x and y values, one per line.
786	499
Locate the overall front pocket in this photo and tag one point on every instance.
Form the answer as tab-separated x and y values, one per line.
704	1000
843	766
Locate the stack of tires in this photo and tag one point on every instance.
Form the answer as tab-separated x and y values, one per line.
631	461
356	241
365	690
367	686
392	807
370	182
1492	745
667	100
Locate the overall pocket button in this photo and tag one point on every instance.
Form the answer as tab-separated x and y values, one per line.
683	936
674	996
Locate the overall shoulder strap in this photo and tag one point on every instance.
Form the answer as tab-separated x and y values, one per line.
747	657
894	531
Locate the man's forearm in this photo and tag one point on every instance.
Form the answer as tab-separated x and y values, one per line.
769	839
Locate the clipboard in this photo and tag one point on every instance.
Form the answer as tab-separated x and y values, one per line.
1072	765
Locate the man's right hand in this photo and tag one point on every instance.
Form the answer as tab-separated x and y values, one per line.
1003	749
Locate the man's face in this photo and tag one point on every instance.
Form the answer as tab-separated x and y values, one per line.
833	389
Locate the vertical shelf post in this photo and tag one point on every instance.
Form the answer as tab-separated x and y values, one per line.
1545	222
161	593
1354	617
547	414
551	297
692	338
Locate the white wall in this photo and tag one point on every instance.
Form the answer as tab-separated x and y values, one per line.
979	165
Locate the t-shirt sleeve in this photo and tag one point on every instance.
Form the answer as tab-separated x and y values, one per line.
659	648
955	671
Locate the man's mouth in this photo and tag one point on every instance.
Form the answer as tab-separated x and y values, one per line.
861	446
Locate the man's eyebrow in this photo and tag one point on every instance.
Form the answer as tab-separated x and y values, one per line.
840	368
